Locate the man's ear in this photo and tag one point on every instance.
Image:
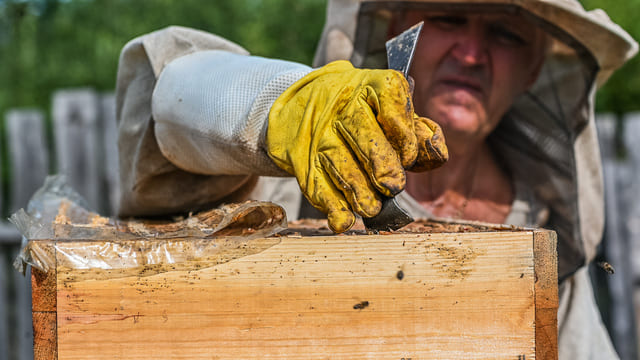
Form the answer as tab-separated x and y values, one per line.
533	76
545	45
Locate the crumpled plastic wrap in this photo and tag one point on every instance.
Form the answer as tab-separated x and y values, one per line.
57	214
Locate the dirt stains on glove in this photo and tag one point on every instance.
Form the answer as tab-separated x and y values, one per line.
348	135
432	150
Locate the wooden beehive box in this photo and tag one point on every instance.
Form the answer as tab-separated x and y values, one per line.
456	292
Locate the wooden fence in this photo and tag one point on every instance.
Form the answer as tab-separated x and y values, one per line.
620	152
84	148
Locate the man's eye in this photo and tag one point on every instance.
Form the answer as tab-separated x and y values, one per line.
507	36
447	21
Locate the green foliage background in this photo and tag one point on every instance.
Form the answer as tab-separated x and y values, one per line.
621	94
50	44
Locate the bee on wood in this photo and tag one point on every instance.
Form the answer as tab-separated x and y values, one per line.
361	305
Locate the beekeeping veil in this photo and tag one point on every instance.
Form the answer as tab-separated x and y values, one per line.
548	138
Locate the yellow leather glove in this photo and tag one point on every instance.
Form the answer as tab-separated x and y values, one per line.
347	135
432	151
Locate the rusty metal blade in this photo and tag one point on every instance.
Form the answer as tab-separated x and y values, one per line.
401	48
391	217
400	52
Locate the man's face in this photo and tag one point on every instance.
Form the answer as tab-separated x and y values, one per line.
468	68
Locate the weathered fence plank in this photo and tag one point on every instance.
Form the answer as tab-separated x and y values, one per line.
75	124
8	232
16	331
632	217
632	196
4	304
109	132
29	159
28	155
23	336
616	242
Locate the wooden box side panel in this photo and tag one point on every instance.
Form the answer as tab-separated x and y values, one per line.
546	294
44	314
437	296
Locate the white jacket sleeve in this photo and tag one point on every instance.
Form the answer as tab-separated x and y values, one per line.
164	181
211	109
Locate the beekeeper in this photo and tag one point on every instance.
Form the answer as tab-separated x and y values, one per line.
511	84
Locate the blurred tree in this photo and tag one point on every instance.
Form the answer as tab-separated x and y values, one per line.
621	93
46	45
51	44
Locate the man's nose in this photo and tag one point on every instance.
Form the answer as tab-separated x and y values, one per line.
471	47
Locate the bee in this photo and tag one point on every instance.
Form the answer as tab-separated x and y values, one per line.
361	305
606	267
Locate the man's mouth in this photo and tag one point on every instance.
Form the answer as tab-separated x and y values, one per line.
463	84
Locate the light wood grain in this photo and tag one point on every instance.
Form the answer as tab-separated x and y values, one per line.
44	308
460	296
44	286
45	342
546	294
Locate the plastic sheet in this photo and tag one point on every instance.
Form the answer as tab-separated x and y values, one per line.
57	214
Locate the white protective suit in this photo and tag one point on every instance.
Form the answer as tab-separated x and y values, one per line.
192	111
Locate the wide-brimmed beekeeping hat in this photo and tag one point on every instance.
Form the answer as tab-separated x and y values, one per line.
566	20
